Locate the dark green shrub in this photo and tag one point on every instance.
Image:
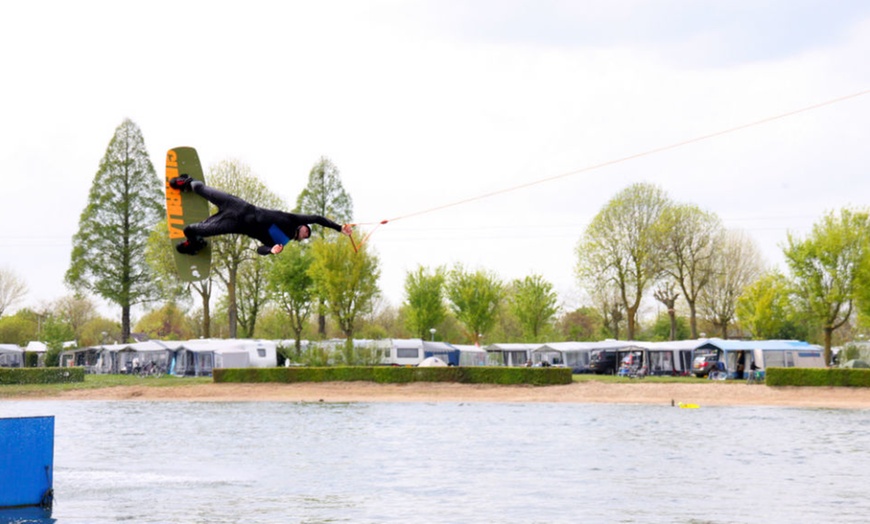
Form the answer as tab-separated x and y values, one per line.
399	375
818	377
41	375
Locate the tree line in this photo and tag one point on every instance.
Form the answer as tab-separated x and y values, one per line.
641	248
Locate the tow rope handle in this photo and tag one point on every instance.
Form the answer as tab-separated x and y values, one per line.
357	247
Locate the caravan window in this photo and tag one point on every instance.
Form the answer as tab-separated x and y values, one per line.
406	353
774	359
261	352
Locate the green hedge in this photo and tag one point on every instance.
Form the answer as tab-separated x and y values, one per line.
399	375
41	375
819	377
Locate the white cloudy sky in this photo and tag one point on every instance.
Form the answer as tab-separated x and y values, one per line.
426	103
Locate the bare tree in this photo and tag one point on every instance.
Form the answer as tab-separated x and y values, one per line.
666	294
12	289
688	236
737	265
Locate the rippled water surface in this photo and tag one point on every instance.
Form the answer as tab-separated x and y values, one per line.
453	462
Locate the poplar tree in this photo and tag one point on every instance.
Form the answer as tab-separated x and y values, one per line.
125	203
325	196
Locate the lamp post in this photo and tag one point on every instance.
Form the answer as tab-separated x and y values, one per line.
432	332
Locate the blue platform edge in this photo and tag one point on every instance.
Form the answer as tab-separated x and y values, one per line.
26	462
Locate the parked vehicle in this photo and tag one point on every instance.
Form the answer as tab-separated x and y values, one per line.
602	362
704	363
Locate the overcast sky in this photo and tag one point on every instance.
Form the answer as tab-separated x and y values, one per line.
426	103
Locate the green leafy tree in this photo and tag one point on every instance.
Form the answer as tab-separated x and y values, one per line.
475	299
167	322
830	268
621	247
55	331
98	331
125	202
161	259
231	252
324	195
534	303
424	300
20	328
292	288
765	307
12	289
689	238
581	325
666	328
345	279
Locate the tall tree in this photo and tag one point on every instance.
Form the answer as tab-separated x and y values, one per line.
125	202
621	246
424	300
292	287
475	298
12	289
830	268
689	236
325	196
345	279
230	252
737	265
534	303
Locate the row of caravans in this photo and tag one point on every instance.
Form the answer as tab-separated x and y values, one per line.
733	358
198	357
409	352
182	358
683	357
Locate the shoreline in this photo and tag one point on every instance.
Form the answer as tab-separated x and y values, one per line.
712	394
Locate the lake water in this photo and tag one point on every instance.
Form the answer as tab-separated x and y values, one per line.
200	462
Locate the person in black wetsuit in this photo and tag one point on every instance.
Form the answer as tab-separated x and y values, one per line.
271	227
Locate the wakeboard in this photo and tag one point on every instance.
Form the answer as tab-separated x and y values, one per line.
184	208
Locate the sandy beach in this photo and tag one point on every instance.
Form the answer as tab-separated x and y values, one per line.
711	394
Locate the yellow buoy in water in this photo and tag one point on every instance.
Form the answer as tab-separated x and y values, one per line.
688	406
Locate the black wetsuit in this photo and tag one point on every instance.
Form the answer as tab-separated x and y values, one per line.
234	215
